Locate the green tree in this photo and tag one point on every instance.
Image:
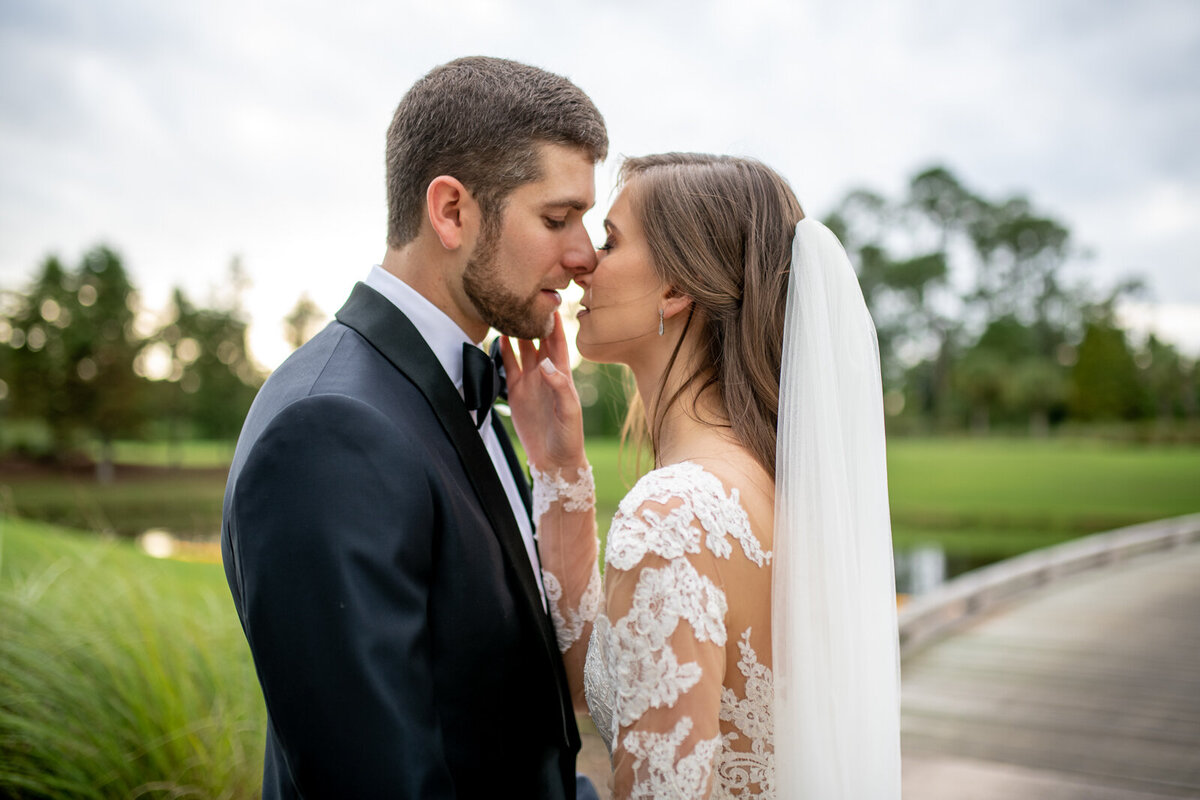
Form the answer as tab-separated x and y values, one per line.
900	280
109	390
1167	377
41	353
73	345
1037	388
1104	381
211	378
970	297
604	394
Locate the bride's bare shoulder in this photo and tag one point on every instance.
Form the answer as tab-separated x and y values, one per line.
736	468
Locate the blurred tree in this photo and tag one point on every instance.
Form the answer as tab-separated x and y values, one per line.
1104	381
1037	388
604	391
898	289
209	370
1167	378
73	347
109	391
980	378
72	360
974	313
303	322
40	356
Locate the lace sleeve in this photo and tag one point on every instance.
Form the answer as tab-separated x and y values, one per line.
664	653
565	515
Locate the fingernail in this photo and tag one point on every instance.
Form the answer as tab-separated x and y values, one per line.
547	366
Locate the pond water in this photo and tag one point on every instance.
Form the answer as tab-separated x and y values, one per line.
921	568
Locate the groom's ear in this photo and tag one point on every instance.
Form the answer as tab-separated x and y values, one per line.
452	212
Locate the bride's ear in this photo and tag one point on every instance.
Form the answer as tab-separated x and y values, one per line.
675	301
452	212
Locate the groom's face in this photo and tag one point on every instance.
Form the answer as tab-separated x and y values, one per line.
524	260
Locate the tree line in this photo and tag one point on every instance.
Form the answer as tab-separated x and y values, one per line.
79	361
980	324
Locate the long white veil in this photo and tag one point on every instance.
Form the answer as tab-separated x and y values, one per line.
835	648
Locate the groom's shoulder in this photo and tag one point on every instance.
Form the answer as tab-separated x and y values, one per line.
338	360
337	372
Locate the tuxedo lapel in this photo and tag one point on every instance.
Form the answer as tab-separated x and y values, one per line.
393	335
514	466
390	332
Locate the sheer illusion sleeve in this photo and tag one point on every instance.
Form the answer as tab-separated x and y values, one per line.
665	648
564	510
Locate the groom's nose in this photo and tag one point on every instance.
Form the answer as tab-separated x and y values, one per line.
579	256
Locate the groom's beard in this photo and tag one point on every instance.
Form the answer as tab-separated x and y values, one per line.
505	311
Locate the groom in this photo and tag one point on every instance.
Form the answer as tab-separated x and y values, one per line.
376	532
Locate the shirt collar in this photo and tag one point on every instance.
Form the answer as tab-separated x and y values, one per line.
441	333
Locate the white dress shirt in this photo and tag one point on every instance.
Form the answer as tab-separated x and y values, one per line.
446	339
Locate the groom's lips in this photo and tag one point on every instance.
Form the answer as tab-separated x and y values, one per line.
553	293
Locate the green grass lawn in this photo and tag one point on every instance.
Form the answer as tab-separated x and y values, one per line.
999	496
1009	496
1006	494
189	454
120	676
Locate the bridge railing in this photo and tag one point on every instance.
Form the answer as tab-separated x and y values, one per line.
927	617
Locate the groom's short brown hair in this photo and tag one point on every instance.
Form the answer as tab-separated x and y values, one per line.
479	120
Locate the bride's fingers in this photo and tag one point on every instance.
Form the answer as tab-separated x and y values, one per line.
556	344
529	357
511	368
559	382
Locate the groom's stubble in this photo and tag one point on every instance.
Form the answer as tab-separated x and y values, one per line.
499	307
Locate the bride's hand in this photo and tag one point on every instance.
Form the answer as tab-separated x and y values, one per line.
545	406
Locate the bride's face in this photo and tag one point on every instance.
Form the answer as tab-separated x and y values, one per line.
618	316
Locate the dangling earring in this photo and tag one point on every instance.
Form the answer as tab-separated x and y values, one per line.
660	322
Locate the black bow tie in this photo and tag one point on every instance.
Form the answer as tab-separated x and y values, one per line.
483	379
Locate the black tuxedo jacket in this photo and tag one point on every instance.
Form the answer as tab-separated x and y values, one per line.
382	583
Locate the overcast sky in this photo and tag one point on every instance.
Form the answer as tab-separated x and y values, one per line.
184	134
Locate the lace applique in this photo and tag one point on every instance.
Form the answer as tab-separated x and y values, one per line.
568	627
579	495
635	652
701	498
739	770
648	672
659	774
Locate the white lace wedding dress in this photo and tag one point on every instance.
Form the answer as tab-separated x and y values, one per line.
676	654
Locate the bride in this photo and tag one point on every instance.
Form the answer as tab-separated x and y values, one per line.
743	640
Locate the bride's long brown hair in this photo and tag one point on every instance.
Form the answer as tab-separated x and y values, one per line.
720	231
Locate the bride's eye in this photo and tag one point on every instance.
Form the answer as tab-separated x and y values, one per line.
608	244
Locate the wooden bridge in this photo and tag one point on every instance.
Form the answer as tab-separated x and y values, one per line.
1065	674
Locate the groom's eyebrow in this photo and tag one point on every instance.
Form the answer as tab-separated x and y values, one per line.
577	205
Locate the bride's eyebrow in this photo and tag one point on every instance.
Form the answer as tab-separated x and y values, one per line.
609	226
